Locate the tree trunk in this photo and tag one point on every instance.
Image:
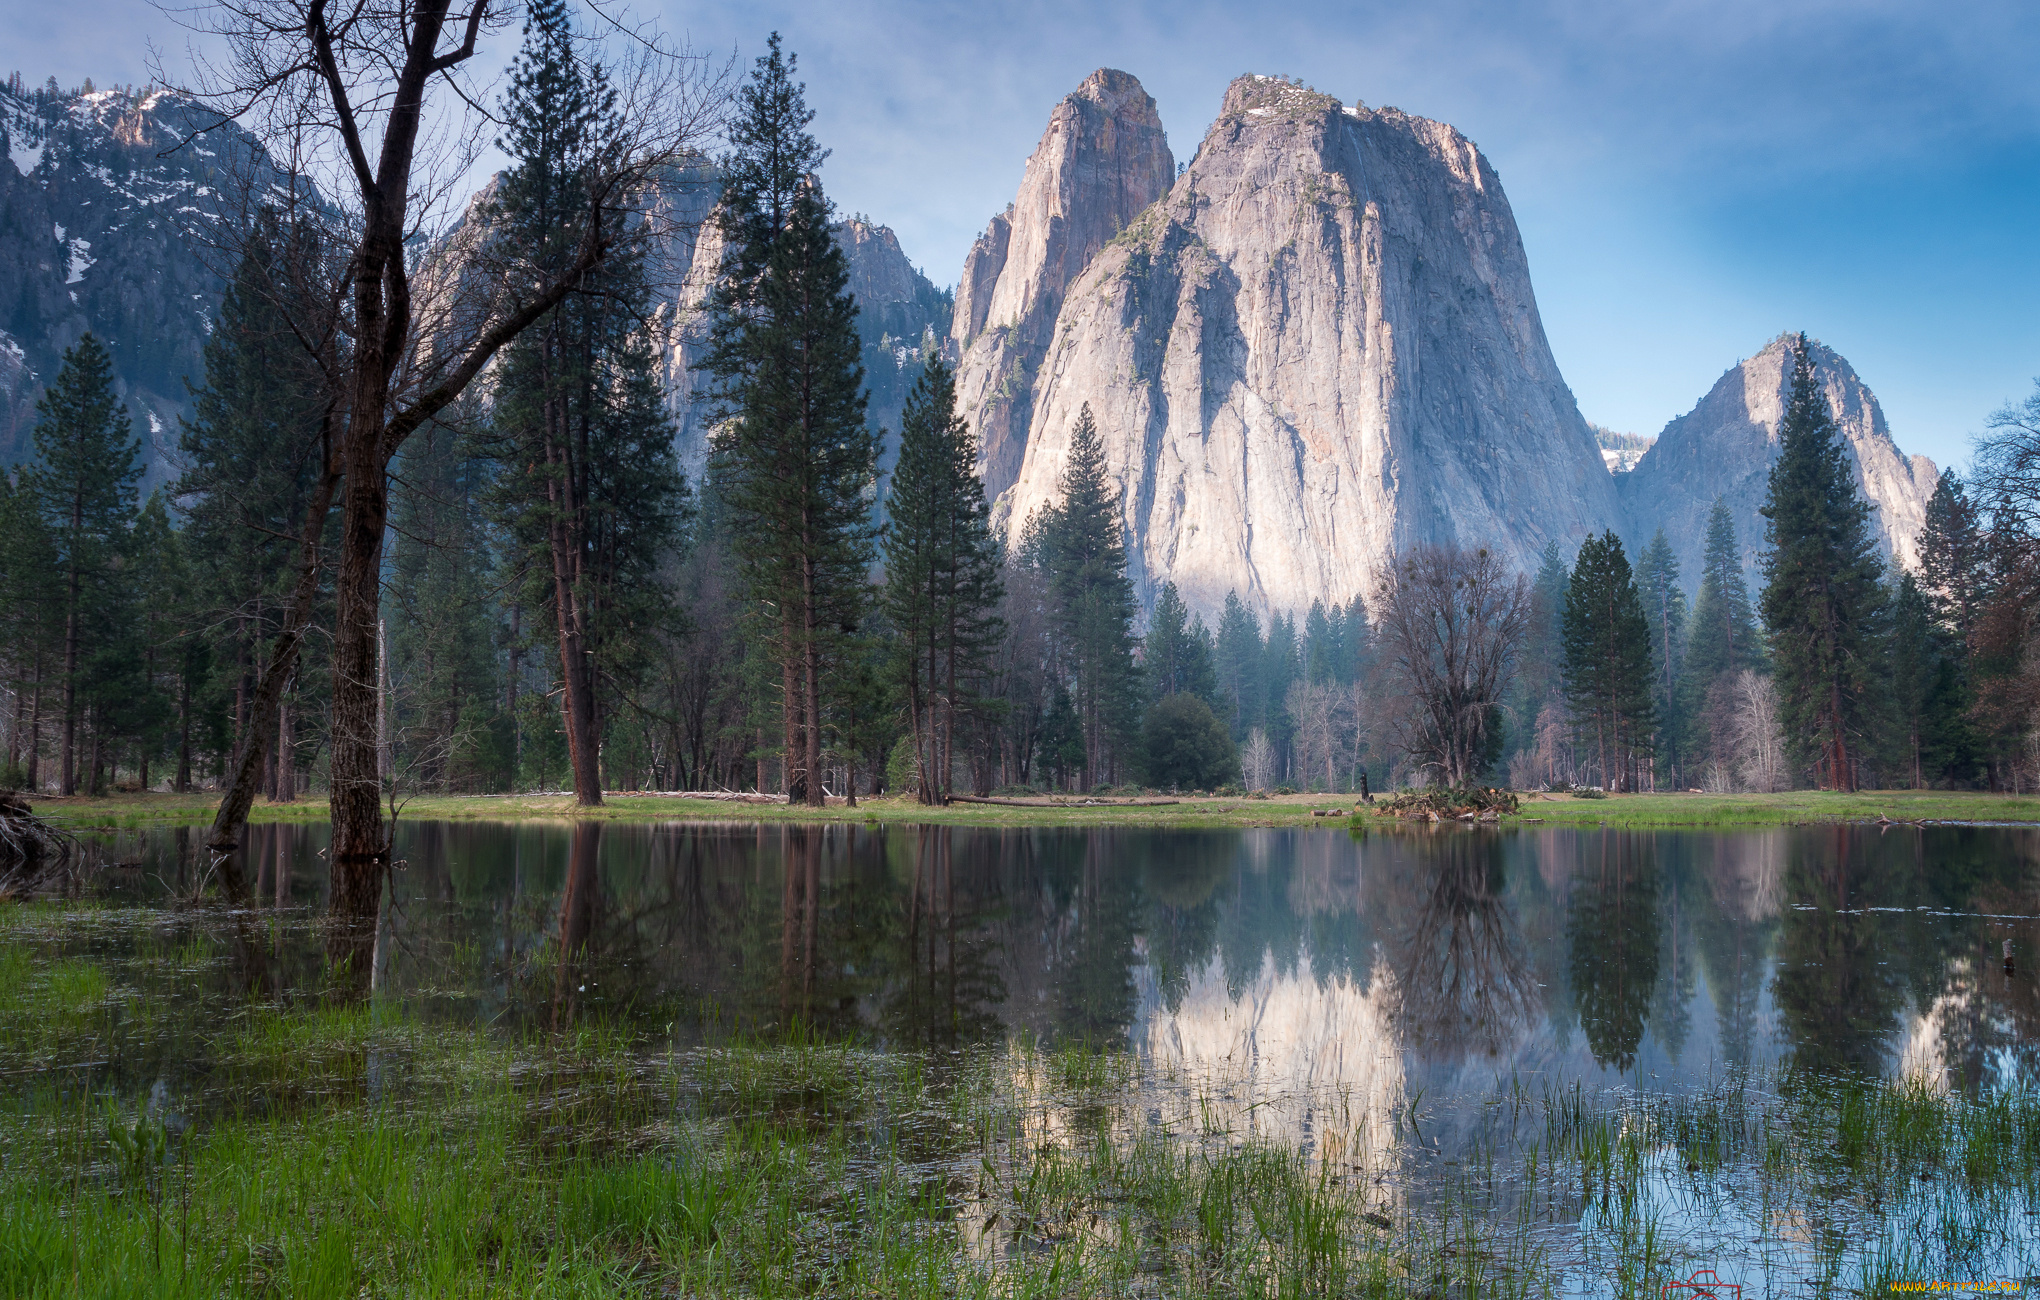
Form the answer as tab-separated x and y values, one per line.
578	703
67	772
35	726
286	755
360	853
232	814
811	705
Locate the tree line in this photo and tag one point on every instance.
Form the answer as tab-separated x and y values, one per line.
555	606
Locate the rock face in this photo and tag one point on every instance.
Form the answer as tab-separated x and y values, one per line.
99	233
1724	447
1102	161
899	313
1321	344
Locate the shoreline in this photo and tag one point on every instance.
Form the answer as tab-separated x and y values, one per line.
1147	812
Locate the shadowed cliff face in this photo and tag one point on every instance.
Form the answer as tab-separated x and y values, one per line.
1321	344
1725	445
899	312
107	225
1103	159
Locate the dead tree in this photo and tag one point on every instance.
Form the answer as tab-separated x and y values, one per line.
376	105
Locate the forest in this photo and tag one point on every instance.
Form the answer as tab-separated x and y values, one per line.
515	587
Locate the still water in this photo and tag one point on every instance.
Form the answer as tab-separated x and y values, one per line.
1450	1023
1385	963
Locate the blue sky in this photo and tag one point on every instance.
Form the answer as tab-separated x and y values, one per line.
1691	178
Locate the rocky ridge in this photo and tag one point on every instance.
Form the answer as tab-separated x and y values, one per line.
1103	159
1319	345
1725	445
107	225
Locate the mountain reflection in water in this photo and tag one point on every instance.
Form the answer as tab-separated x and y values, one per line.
1445	959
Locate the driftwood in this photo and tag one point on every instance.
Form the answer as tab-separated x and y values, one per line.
29	846
1065	803
730	796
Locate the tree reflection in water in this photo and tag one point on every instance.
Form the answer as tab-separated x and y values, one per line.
1612	933
1463	980
1838	948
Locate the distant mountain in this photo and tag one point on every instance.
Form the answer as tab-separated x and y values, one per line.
1725	445
107	225
1318	345
1620	451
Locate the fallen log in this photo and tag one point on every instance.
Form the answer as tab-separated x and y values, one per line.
1065	803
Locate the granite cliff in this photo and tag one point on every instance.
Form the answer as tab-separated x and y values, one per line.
1102	161
1320	344
1725	445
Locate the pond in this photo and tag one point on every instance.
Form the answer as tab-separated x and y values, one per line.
1455	1060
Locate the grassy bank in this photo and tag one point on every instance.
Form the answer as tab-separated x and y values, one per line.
310	1149
1634	811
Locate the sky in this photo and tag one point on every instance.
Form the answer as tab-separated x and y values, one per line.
1690	178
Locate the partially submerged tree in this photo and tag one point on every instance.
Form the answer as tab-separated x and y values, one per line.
374	105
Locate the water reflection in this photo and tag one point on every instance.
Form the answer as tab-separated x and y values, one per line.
1444	958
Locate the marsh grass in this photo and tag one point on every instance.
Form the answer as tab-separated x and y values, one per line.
154	1146
134	812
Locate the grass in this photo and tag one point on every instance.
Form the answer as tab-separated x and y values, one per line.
1635	811
306	1148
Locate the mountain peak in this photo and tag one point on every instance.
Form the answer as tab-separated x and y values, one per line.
1257	93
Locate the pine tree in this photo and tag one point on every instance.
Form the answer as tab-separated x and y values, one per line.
1608	661
1823	602
83	483
592	494
1664	608
1281	665
255	494
943	588
31	627
792	459
443	633
1092	601
1914	666
1237	662
1954	574
1540	681
1177	651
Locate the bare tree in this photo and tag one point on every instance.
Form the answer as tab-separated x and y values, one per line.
1257	760
1755	733
375	104
1450	623
1320	711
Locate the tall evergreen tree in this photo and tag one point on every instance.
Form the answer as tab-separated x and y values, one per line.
1092	602
943	589
83	483
1177	651
1236	659
1823	601
31	626
792	459
1955	565
1281	665
1915	662
259	478
1724	637
1664	608
443	636
592	494
1608	661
